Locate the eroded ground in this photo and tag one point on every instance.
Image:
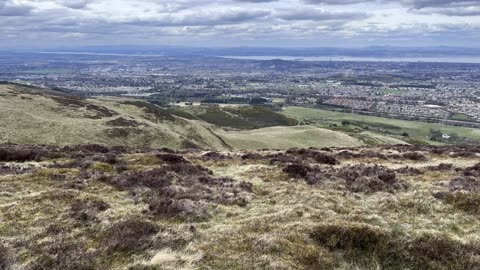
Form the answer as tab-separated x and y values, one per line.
92	207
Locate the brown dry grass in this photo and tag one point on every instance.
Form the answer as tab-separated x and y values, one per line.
89	205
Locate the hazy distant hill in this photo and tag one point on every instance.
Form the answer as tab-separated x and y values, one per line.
373	51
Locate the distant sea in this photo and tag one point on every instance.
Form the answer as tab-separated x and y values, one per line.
441	59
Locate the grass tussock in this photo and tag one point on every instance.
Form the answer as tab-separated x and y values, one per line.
464	201
85	211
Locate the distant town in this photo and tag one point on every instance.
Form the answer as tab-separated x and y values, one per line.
435	92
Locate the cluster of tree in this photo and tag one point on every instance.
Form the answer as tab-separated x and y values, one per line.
438	136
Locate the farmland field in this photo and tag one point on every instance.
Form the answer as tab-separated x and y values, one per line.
416	130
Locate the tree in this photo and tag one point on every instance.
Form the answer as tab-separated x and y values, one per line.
436	135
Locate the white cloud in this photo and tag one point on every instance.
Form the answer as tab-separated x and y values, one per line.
255	21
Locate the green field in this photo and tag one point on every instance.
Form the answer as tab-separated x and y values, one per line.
385	126
288	137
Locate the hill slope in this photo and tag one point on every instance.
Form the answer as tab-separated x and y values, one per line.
41	116
92	207
33	116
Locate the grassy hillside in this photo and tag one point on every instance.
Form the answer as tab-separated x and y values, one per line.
40	116
34	116
91	207
286	137
418	131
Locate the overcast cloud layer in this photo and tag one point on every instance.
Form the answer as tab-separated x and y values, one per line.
300	23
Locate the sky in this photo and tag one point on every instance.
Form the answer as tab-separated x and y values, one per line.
26	24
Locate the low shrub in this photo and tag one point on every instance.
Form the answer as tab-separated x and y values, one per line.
316	156
369	179
122	122
317	177
95	148
415	156
156	178
185	169
324	159
441	167
6	259
86	210
395	250
129	236
464	183
19	154
297	170
215	156
184	209
64	254
172	158
252	156
167	150
347	155
472	171
283	159
409	171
